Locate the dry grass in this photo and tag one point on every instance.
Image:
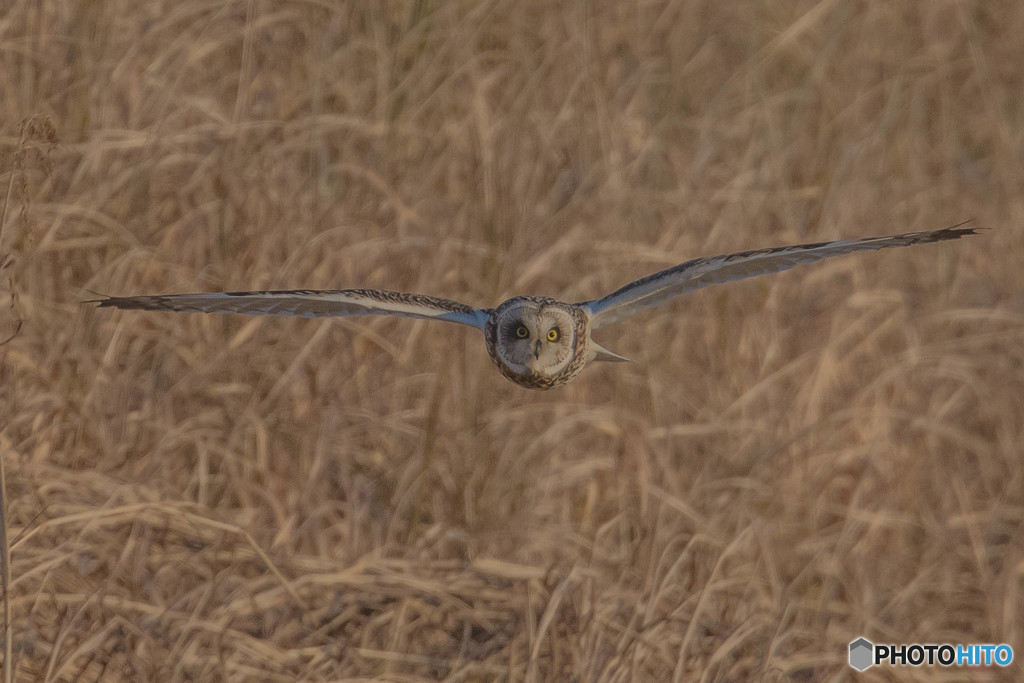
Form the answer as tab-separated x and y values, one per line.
796	461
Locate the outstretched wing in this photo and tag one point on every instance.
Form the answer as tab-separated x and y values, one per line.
701	272
308	303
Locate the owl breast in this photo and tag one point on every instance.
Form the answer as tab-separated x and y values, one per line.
536	342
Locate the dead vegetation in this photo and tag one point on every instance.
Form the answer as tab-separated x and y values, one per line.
795	462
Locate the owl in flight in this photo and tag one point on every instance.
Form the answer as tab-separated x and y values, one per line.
536	342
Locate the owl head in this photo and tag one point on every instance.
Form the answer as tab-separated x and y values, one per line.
535	338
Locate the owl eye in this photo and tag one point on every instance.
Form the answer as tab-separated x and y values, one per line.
522	332
553	334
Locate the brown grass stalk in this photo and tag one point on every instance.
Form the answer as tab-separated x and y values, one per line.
794	461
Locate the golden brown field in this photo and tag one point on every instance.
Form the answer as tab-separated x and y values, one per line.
795	461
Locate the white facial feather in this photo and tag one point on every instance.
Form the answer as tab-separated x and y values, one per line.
536	338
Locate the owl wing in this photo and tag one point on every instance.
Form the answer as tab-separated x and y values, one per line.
308	303
701	272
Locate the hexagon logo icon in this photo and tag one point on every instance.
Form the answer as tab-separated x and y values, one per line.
861	654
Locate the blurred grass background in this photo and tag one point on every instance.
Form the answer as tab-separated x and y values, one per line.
795	461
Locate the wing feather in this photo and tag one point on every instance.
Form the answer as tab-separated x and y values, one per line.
308	303
701	272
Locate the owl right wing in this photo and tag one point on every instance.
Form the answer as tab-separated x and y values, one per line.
701	272
308	303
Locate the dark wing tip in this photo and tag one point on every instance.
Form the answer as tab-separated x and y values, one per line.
141	303
951	233
100	303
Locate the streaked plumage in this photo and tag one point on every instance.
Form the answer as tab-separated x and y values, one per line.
536	342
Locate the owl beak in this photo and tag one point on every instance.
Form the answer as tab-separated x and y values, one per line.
536	350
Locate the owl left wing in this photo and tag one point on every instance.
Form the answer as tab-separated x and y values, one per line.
701	272
308	303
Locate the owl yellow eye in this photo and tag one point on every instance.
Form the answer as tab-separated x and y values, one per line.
553	334
522	332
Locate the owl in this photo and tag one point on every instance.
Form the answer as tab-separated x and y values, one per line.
536	342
